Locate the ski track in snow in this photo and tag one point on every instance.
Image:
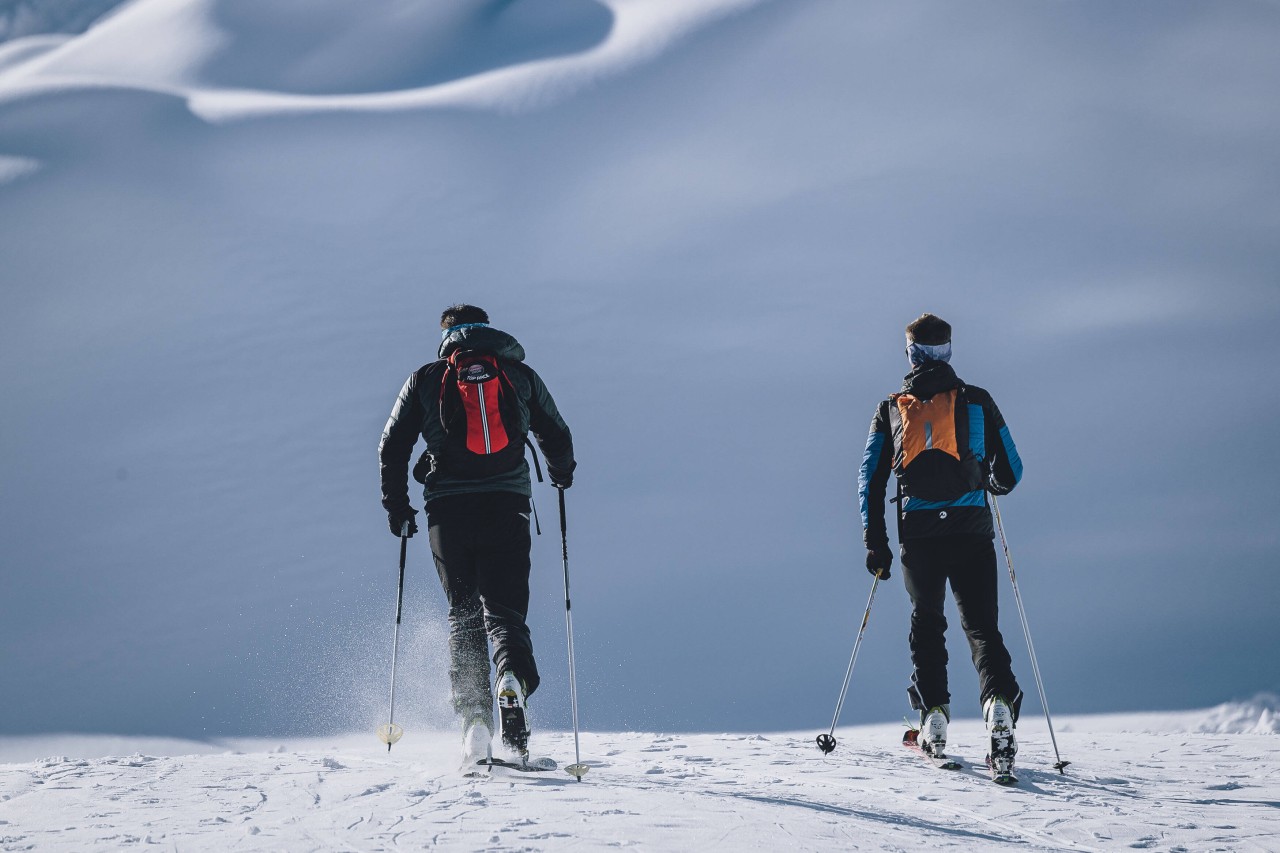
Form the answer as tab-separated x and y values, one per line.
1159	791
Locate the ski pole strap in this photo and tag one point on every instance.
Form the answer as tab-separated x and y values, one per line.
564	526
536	467
404	547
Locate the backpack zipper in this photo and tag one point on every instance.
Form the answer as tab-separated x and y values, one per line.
484	418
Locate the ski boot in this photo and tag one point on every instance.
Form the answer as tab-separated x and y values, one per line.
511	710
999	719
933	731
477	741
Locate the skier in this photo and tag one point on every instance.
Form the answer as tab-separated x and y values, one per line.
948	445
474	407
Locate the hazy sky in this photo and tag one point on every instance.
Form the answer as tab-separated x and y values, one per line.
710	260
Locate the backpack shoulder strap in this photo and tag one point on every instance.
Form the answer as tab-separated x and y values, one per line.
895	429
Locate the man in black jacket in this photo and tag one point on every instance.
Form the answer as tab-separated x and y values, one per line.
948	446
473	408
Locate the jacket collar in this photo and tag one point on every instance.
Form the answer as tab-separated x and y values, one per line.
932	377
481	338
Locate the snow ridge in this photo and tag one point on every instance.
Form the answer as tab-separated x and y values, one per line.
233	61
22	18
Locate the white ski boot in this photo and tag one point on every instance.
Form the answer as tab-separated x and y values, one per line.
511	710
477	744
933	731
1004	746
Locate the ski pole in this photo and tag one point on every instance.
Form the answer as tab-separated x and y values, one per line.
577	769
390	733
1031	649
827	742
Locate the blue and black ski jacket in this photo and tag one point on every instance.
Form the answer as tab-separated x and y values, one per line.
938	495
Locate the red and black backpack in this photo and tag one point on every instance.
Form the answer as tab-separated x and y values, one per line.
480	413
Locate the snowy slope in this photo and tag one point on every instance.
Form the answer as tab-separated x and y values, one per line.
233	60
26	18
1156	783
227	228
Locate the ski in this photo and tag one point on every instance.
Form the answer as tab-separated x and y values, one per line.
911	741
537	765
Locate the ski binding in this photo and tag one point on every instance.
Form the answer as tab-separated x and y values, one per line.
911	740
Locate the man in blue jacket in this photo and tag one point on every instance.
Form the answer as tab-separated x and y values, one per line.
948	446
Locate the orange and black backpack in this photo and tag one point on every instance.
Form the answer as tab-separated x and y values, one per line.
933	456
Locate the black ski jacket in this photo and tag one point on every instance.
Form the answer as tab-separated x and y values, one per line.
417	414
989	441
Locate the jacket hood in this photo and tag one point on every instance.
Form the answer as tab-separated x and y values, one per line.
932	377
483	338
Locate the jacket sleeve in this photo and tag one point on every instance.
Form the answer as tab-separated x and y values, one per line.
398	438
1004	466
550	430
873	477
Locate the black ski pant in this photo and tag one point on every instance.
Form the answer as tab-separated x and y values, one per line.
483	562
969	563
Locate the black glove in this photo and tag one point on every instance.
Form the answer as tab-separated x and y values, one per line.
996	488
879	560
397	517
561	478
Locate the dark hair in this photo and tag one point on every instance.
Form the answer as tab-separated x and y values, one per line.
929	329
458	315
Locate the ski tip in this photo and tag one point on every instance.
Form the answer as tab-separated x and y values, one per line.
577	771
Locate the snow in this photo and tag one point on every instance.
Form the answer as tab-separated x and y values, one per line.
231	62
1164	783
228	227
28	18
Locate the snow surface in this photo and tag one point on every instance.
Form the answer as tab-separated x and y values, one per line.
227	228
228	225
27	18
1141	781
231	60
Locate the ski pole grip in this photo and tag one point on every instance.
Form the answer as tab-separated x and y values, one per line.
404	530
